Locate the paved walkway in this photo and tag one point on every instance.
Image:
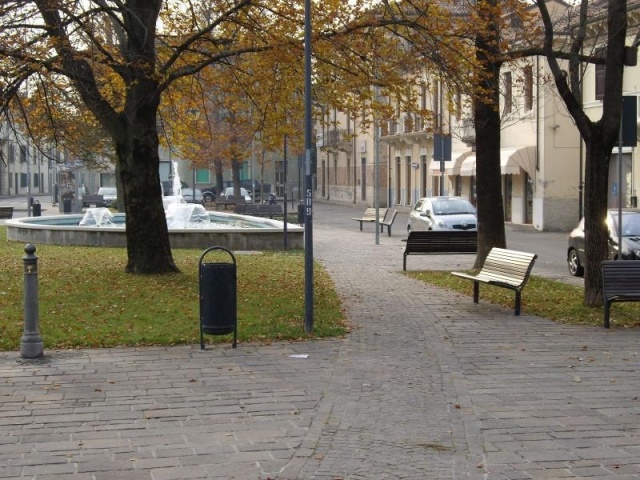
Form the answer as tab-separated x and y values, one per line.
426	386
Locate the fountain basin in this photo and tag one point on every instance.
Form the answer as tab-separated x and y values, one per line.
229	230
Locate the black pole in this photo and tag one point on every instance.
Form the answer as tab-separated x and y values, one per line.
286	167
308	224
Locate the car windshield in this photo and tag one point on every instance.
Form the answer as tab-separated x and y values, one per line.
452	207
107	191
630	224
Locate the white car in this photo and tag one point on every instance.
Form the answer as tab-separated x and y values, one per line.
109	195
443	213
192	195
228	192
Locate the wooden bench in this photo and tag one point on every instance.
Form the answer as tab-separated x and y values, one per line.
620	283
265	210
435	242
270	210
503	268
226	200
388	223
250	209
6	212
369	215
88	200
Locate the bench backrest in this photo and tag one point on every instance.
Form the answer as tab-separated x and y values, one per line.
251	209
370	213
90	198
392	216
442	241
270	209
620	278
508	265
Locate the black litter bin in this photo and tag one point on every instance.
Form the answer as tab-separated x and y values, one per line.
66	205
218	297
36	209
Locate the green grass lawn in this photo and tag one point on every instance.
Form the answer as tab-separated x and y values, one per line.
546	298
86	299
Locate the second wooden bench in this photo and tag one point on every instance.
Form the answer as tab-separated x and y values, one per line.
369	216
503	268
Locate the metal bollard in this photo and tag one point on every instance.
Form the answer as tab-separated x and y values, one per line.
31	344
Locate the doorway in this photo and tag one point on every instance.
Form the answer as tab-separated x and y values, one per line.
528	199
398	181
508	191
363	181
614	190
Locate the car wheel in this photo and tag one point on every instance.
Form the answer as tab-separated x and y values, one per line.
207	197
573	262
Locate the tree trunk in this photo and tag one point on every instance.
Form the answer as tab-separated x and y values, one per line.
235	176
595	213
491	231
148	247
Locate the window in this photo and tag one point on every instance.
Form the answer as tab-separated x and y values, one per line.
23	180
508	91
528	88
23	154
12	153
203	175
600	74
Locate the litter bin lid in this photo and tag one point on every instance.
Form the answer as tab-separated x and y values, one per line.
210	249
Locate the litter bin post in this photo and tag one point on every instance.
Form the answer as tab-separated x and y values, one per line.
218	297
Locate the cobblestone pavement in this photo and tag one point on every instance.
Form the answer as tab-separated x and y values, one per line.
427	385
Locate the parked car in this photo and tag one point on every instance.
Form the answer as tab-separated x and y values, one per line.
251	186
109	195
191	195
576	258
167	187
442	213
227	192
209	194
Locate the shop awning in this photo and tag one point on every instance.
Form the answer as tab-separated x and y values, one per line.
512	162
453	167
468	167
450	166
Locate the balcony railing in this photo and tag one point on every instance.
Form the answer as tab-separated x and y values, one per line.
338	138
468	131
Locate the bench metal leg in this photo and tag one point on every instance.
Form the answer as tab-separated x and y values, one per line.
404	262
476	292
518	301
607	306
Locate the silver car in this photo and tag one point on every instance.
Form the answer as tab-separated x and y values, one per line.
109	195
443	213
228	192
191	195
